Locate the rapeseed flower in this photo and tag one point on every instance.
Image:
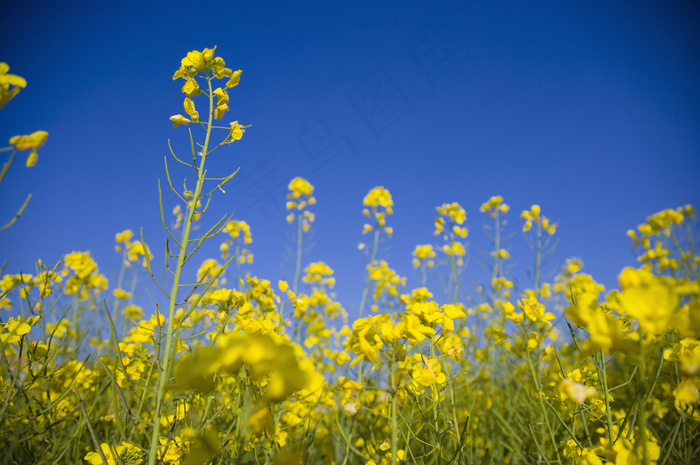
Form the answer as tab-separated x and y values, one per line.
15	328
535	311
32	141
424	253
426	372
300	196
649	299
494	206
178	120
533	216
10	84
577	392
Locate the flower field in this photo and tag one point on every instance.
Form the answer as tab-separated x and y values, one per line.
231	368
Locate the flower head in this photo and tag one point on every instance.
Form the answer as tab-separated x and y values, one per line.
33	141
7	80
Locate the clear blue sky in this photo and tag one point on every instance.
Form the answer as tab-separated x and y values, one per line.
591	110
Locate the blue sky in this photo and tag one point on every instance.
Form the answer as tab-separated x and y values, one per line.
590	110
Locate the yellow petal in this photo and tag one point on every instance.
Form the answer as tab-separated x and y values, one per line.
32	158
220	110
178	120
235	78
32	141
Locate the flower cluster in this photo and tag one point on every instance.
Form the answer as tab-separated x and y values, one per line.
387	281
300	196
424	255
449	223
494	206
533	216
379	201
82	274
133	250
205	65
318	275
659	228
239	237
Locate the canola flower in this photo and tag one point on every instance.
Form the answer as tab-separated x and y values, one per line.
534	216
299	199
381	204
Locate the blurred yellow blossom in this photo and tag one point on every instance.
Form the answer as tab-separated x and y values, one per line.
33	141
7	80
577	392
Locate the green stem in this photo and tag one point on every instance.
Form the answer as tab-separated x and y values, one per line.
495	273
603	372
300	238
394	427
538	258
542	407
643	402
165	368
372	258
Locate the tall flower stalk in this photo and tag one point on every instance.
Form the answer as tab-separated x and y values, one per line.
381	204
299	198
202	65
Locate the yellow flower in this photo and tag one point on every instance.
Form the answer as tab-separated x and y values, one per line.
501	253
221	96
455	248
94	458
195	60
121	294
533	216
178	120
124	237
235	78
454	211
134	312
687	351
378	197
422	252
7	80
426	372
589	457
189	109
191	88
413	329
577	392
237	131
33	141
220	110
648	299
136	250
687	393
535	311
510	313
494	205
16	328
299	187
